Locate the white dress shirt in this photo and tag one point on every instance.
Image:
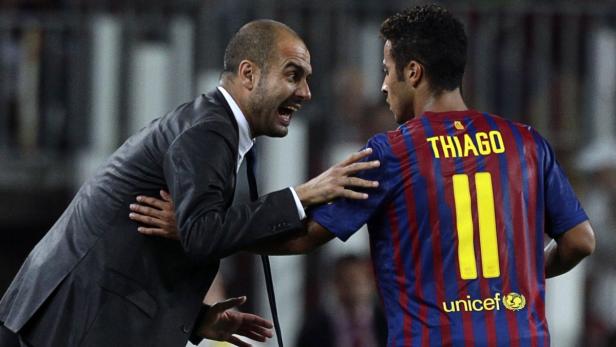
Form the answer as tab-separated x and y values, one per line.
247	141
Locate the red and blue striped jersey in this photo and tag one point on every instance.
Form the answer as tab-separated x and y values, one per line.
457	228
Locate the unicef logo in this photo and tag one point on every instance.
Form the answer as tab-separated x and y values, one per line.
514	301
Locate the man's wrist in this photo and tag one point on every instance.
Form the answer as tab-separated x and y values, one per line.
298	203
194	337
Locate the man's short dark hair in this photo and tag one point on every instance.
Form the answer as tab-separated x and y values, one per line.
255	41
430	35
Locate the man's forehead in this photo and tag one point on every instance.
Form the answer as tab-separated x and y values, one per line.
295	53
387	57
387	48
294	48
386	60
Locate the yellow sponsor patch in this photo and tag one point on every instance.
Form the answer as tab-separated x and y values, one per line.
514	301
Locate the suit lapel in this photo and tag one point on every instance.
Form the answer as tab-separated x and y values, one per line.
220	99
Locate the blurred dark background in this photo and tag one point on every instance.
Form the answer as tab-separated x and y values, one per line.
78	77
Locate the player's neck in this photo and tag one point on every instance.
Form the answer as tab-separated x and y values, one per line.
443	102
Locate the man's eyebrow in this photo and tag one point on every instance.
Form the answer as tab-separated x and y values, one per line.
296	66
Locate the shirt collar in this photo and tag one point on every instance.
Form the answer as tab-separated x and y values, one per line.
246	141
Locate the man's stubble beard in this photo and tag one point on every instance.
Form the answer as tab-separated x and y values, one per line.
261	112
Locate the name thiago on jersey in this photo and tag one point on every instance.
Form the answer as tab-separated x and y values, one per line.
481	143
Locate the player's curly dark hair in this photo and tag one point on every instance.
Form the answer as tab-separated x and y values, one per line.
430	35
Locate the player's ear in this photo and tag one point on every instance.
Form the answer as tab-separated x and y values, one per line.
248	73
414	72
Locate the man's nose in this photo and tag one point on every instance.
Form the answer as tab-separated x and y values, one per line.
304	91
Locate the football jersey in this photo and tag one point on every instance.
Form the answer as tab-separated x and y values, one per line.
457	229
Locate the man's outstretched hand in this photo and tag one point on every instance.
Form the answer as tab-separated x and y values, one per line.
336	181
220	323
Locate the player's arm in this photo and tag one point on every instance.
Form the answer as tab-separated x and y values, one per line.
568	249
565	219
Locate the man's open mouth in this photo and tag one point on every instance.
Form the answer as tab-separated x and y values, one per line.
287	110
285	113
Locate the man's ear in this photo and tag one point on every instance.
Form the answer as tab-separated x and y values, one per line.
248	74
414	73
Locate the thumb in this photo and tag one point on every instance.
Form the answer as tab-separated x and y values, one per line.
230	303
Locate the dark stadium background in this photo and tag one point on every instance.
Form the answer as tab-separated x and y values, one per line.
78	77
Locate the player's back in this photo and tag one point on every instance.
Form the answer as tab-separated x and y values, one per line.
456	229
466	225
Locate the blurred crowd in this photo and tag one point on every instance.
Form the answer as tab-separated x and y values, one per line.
598	164
560	91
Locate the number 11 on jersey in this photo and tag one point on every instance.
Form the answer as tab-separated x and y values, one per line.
487	226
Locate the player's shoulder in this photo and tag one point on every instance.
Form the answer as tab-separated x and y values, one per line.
392	137
379	138
521	127
529	135
380	144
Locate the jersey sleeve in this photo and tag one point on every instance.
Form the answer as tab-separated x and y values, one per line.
563	209
343	217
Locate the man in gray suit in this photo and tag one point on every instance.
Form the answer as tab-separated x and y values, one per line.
93	281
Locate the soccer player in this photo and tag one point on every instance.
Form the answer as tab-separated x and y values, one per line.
465	198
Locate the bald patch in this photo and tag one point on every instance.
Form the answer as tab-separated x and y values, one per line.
267	25
256	41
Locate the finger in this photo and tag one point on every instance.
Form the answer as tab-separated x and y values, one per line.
254	320
158	232
144	210
152	231
361	166
251	335
359	182
229	303
147	220
355	157
237	342
256	329
349	194
152	201
166	196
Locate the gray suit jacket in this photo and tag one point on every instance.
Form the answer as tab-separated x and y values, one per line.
93	280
